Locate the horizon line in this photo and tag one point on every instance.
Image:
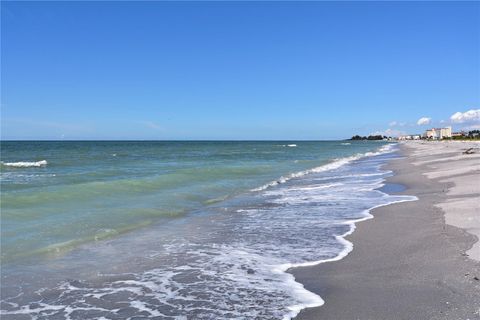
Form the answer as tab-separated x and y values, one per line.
166	140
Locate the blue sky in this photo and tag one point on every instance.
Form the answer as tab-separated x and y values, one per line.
236	70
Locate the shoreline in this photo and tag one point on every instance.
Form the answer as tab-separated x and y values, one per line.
249	271
407	263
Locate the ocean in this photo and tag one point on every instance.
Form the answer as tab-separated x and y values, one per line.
178	229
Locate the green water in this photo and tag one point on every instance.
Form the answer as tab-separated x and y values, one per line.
92	190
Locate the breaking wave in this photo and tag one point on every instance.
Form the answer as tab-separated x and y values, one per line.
337	163
230	265
25	164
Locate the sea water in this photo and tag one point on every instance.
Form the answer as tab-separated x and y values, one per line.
177	229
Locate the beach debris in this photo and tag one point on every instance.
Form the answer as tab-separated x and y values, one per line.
476	278
469	151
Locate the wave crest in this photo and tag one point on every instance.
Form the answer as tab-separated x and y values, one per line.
336	163
25	164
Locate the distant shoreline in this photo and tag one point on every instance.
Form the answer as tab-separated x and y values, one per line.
174	140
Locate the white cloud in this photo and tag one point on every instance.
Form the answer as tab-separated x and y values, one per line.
467	116
423	121
389	133
397	124
151	125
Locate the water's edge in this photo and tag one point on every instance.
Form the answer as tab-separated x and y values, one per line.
223	260
348	248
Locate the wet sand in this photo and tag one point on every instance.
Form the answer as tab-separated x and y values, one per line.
407	263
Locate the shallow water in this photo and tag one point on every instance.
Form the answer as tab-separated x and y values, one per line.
393	188
244	213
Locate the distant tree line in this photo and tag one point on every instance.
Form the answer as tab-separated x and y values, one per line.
472	134
376	137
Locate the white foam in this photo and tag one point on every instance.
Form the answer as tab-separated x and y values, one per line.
228	278
25	164
316	300
341	238
335	164
291	145
330	166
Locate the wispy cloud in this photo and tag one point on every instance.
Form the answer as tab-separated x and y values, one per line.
424	121
397	124
389	133
151	125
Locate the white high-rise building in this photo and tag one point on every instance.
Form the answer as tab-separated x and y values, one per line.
438	133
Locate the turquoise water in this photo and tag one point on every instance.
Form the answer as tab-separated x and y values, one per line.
178	230
91	190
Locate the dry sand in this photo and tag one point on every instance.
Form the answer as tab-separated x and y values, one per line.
407	263
447	162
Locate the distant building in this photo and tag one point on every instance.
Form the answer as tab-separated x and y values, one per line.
409	137
459	134
438	133
430	134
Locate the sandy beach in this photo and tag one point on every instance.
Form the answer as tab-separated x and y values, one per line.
414	260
